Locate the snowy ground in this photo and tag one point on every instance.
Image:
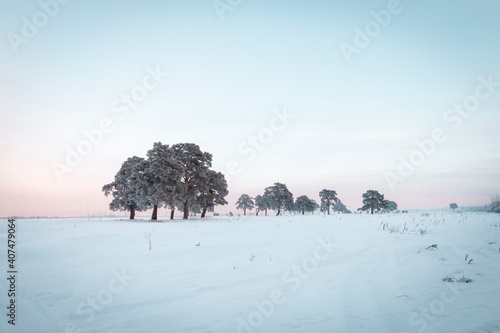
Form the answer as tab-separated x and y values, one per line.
338	273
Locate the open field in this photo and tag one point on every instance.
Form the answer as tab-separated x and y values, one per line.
319	273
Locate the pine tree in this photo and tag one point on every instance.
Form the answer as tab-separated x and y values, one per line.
245	202
340	207
212	192
195	165
125	197
373	200
280	198
159	179
262	204
328	199
390	206
304	204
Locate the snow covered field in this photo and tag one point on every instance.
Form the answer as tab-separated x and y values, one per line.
337	273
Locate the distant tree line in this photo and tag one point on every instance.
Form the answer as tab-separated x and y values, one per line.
278	198
374	201
175	177
180	177
495	205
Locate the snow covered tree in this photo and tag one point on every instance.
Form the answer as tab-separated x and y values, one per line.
373	200
262	204
158	178
304	204
211	192
340	207
280	198
125	198
328	199
245	202
177	176
453	206
390	206
195	166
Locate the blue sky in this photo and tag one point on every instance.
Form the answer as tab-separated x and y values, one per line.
352	120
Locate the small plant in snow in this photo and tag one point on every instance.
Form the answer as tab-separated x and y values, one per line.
393	229
466	257
432	247
449	279
147	235
423	231
330	236
198	244
252	257
470	261
465	280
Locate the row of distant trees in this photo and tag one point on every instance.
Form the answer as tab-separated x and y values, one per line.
278	198
180	177
177	176
495	204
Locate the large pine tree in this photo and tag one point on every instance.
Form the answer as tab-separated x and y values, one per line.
161	175
262	204
328	199
304	204
195	168
245	202
211	193
373	201
280	198
125	197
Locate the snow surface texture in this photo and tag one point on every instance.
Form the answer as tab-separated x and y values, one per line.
337	273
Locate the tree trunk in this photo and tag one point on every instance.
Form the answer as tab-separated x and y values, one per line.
302	212
203	212
279	211
328	208
154	215
244	211
256	212
186	210
172	213
132	212
266	211
371	210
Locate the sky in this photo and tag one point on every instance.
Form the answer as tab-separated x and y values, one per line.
402	97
